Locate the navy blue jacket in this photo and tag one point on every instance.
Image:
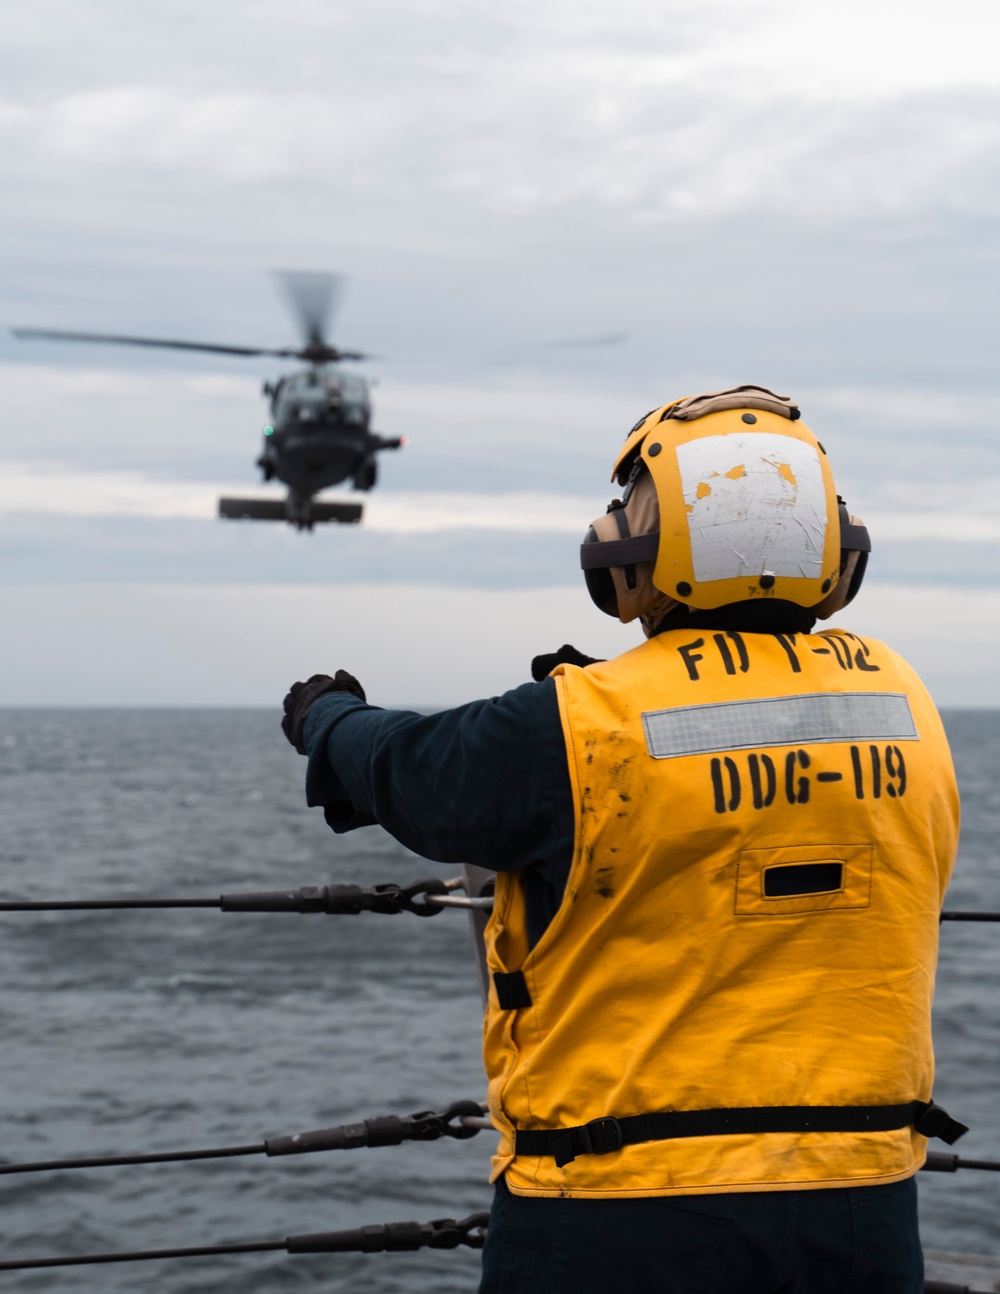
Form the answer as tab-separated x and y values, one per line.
486	783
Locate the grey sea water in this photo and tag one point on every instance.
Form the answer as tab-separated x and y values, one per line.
138	1031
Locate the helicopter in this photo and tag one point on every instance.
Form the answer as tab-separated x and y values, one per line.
319	431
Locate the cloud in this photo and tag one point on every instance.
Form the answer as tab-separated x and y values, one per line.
48	489
956	527
619	132
140	644
915	408
46	548
301	13
181	645
654	112
778	192
694	152
239	134
850	49
535	513
898	510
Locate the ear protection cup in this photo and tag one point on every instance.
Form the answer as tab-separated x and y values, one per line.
853	540
600	585
857	578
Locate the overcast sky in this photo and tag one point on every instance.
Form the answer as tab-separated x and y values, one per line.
800	195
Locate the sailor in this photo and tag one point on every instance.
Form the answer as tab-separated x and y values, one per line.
721	858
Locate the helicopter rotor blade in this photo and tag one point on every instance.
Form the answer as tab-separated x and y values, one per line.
571	343
52	334
313	297
352	354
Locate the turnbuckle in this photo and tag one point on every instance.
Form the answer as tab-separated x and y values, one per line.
428	1125
446	1233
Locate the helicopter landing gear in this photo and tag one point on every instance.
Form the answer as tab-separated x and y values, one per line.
367	475
302	513
298	510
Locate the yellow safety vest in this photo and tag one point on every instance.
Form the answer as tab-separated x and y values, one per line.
765	827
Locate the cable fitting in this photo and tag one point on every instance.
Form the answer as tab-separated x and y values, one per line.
343	900
384	1130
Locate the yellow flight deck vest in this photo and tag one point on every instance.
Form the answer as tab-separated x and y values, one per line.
765	827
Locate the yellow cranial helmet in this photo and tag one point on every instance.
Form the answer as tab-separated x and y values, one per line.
728	498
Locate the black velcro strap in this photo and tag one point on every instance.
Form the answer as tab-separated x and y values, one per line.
601	1136
512	990
618	511
619	552
855	538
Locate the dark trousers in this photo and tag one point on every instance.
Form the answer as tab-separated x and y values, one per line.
863	1240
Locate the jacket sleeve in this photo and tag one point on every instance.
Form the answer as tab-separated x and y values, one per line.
487	783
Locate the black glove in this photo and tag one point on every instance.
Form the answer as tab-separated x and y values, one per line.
302	696
542	666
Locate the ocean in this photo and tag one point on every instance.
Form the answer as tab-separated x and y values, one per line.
133	1032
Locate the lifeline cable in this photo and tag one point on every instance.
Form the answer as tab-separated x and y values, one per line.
461	1120
424	898
391	1237
941	1162
443	1233
947	1287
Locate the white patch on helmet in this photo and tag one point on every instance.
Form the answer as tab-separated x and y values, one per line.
756	505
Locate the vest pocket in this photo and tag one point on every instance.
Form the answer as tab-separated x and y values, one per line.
795	880
798	879
512	990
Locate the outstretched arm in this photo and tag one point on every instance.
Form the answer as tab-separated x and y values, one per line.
486	783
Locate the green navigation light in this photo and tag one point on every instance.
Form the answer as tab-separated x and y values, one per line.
268	431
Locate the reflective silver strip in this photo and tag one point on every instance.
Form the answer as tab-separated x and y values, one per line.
779	721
